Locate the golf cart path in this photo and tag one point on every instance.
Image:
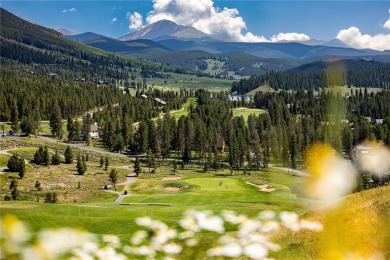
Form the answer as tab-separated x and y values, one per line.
129	179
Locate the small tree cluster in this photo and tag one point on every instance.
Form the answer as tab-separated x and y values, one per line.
15	163
51	197
41	156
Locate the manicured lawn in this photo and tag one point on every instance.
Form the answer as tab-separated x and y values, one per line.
245	112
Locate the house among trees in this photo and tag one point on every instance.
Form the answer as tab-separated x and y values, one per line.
95	131
221	144
379	121
159	102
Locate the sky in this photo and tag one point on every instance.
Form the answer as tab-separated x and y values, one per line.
360	24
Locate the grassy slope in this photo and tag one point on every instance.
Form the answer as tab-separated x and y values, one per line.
359	225
245	112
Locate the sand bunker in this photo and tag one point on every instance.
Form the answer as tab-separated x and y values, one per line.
172	189
172	179
264	187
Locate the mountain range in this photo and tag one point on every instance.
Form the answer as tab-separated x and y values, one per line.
168	42
165	42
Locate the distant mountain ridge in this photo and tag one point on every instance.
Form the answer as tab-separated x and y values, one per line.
165	29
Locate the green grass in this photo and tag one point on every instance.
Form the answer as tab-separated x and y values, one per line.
177	81
185	109
245	112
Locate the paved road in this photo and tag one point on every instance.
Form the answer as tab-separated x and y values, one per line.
129	179
81	146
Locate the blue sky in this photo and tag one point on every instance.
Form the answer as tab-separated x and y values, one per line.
314	19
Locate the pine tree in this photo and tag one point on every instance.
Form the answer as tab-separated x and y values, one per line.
46	156
107	163
81	167
68	154
137	167
56	159
101	162
14	117
56	121
15	163
113	177
22	170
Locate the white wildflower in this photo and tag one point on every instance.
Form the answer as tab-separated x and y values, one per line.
290	220
216	251
189	223
212	223
161	236
311	225
248	227
270	226
267	215
255	251
138	237
146	251
226	239
109	253
145	221
112	240
232	217
60	241
231	250
81	254
172	248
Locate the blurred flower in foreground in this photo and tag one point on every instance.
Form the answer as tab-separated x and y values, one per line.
373	157
249	237
331	177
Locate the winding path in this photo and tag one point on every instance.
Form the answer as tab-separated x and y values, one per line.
129	179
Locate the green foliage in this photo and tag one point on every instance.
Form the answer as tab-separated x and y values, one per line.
15	193
22	170
56	159
81	165
107	163
15	164
101	161
113	177
51	197
137	166
68	154
27	125
42	156
37	185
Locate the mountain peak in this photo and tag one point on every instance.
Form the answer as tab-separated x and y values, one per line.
166	29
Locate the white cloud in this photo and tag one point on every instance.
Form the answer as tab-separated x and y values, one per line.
70	10
114	20
300	37
226	23
386	25
135	20
354	38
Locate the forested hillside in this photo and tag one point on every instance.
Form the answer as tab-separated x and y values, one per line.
356	73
